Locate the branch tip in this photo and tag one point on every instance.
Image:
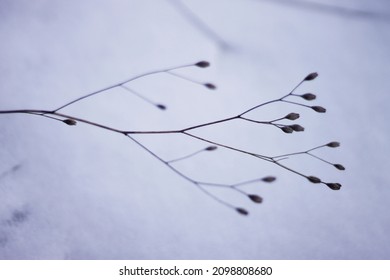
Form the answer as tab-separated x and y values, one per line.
319	109
339	166
210	86
308	96
287	129
333	144
314	179
69	122
211	148
297	127
242	211
202	64
161	106
311	76
334	186
269	179
292	116
255	198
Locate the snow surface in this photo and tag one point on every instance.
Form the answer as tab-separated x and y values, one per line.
85	193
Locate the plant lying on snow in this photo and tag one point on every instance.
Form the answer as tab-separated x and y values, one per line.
278	123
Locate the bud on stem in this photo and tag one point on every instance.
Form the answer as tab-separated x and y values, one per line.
319	109
333	144
314	179
69	122
311	76
308	96
268	179
287	129
203	64
210	86
242	211
255	198
292	116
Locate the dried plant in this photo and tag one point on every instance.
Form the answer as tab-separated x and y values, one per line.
210	146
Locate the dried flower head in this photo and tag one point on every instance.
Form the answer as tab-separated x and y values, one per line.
287	129
339	166
297	127
319	109
334	186
211	148
333	144
308	96
292	116
161	106
268	179
242	211
69	122
311	76
202	64
210	86
255	198
314	179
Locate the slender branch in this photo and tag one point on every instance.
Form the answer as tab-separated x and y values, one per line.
273	101
229	147
72	120
332	9
10	171
158	105
121	84
199	24
209	123
185	157
182	175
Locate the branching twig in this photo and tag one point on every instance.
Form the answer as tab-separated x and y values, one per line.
190	132
332	9
200	24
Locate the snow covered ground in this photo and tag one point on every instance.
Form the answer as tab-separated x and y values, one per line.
84	193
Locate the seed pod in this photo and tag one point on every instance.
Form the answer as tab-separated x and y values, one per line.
297	127
161	106
308	96
268	179
311	76
287	129
210	86
292	116
319	109
333	144
202	64
334	186
211	148
242	211
314	179
339	166
69	122
255	198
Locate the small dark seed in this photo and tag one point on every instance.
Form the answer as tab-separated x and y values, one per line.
333	144
210	86
69	122
311	76
268	179
202	64
319	109
255	198
287	129
314	179
339	166
242	211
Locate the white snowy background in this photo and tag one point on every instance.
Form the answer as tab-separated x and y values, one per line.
85	193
